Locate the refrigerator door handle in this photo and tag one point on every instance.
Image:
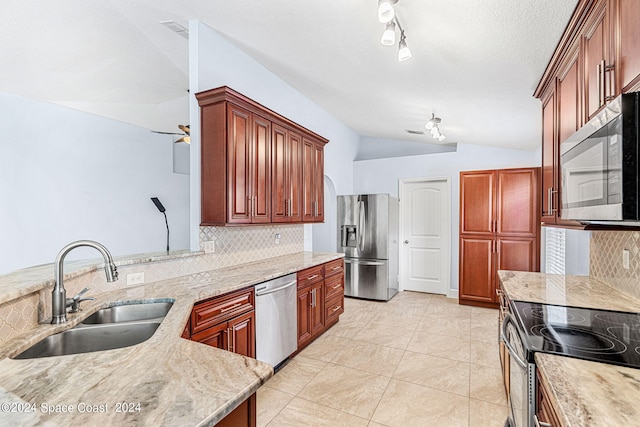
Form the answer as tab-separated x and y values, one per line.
361	262
361	225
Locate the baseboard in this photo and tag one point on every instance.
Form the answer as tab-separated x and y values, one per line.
453	293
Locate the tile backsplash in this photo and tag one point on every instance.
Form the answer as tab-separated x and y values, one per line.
606	260
233	245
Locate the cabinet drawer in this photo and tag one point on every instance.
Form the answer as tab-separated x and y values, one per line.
220	309
333	309
334	286
334	267
310	276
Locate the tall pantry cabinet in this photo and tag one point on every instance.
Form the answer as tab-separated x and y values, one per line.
499	229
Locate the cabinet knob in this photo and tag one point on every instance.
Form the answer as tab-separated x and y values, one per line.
406	242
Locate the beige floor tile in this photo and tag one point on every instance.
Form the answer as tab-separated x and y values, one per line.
375	424
405	405
483	414
442	374
301	412
389	336
447	309
373	358
485	332
296	375
349	390
345	329
324	348
445	325
402	320
456	348
270	403
485	353
487	385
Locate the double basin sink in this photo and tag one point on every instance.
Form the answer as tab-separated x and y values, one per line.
114	327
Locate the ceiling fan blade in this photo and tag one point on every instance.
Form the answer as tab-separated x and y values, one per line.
186	139
185	128
166	133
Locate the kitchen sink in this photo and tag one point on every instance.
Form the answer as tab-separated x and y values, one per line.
107	329
129	313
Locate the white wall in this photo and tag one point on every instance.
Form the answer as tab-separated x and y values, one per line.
68	175
214	62
382	175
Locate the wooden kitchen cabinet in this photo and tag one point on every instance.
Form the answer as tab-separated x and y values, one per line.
596	59
545	411
313	183
499	229
286	173
226	322
245	415
257	167
320	299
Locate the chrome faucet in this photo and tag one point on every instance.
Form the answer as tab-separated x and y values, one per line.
59	301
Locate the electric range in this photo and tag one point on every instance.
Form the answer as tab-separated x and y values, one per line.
585	333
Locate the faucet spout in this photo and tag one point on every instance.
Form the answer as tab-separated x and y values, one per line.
59	294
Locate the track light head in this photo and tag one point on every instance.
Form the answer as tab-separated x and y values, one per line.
385	10
403	51
389	35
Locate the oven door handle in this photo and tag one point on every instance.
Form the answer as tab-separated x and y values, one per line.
508	318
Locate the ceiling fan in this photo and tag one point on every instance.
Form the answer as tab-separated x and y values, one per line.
186	133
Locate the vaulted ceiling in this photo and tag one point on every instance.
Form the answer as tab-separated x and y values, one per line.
475	63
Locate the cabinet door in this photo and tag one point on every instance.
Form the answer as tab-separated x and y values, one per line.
215	336
517	254
242	336
629	11
317	308
477	202
279	165
294	176
308	180
596	39
549	156
238	165
260	170
569	98
477	275
517	202
304	316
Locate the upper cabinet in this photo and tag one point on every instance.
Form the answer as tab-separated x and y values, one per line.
254	166
597	59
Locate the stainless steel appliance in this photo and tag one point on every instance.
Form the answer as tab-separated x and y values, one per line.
597	335
368	236
276	325
600	165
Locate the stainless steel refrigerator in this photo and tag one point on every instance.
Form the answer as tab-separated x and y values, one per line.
368	236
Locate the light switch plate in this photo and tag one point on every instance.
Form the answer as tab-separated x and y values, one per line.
625	259
209	247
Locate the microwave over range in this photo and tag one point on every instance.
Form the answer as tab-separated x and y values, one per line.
599	165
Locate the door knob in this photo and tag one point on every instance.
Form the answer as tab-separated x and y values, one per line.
406	242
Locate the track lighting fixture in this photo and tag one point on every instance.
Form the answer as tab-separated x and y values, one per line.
403	51
432	126
385	10
389	35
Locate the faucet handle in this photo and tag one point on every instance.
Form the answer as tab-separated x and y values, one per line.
74	302
82	292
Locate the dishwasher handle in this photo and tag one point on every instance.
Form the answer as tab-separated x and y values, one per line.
264	291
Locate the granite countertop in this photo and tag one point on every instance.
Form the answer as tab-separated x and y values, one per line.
590	394
574	291
177	382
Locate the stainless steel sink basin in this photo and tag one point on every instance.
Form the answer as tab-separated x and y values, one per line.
129	313
94	338
107	329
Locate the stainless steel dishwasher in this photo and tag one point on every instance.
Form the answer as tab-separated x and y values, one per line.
276	324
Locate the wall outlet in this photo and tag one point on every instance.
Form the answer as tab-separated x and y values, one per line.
209	247
625	259
277	238
135	278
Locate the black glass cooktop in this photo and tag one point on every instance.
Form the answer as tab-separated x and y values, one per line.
599	335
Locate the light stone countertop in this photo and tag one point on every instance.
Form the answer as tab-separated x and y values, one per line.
176	381
591	394
574	291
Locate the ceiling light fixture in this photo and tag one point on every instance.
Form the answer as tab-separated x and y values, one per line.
403	51
434	128
385	10
389	35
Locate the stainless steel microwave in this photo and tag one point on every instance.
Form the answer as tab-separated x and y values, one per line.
599	165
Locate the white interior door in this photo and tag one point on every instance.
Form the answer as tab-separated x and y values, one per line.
425	224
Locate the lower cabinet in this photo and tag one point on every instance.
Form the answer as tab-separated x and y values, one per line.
320	299
545	413
226	322
243	416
